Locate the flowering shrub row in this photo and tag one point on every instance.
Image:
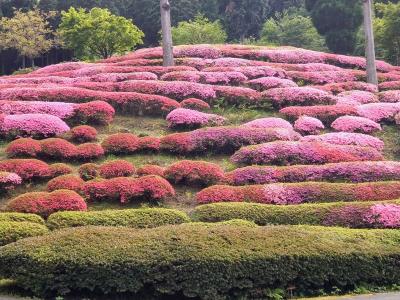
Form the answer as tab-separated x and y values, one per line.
270	122
65	182
308	125
321	77
305	192
289	153
9	181
266	83
44	204
150	170
118	77
223	139
116	168
389	85
251	72
340	87
182	118
355	124
228	78
27	169
360	171
126	189
390	96
379	112
196	104
359	97
199	173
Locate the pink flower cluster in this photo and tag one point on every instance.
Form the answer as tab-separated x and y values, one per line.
290	153
389	85
117	77
61	110
379	112
250	72
269	123
383	216
308	125
326	113
321	77
203	51
355	124
9	181
37	125
266	83
357	97
339	87
234	78
346	138
311	67
238	95
359	171
183	118
196	104
302	96
390	96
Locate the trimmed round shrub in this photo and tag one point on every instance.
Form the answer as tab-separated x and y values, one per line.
379	112
56	148
291	153
13	231
20	217
121	143
27	169
196	104
150	170
116	168
60	169
9	181
44	204
221	265
95	112
83	134
135	218
149	143
23	147
65	182
354	214
88	171
355	124
89	151
266	83
304	192
269	123
182	118
359	97
308	125
198	173
326	113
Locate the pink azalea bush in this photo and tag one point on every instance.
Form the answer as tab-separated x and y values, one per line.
196	104
239	95
308	125
389	85
269	123
266	83
9	181
359	97
206	77
358	171
36	125
339	87
281	97
289	153
355	124
188	119
250	72
61	110
390	96
326	113
321	77
347	138
383	216
379	112
117	77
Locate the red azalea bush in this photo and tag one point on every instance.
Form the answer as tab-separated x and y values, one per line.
149	143
326	113
299	96
60	169
9	181
27	169
97	112
196	104
116	168
23	147
56	148
150	170
88	171
44	204
340	87
83	134
177	143
198	173
355	124
121	143
128	189
65	182
89	151
308	125
235	95
298	193
289	153
359	171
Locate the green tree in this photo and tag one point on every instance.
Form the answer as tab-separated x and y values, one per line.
198	31
28	33
338	21
98	33
7	7
292	29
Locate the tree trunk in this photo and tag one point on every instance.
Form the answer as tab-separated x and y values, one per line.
23	62
369	43
33	62
168	54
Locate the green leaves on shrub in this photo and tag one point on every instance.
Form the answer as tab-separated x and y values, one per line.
13	231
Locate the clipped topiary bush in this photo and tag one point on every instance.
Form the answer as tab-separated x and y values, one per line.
116	168
88	171
121	143
20	217
65	182
151	170
12	231
59	169
23	147
83	134
27	169
135	218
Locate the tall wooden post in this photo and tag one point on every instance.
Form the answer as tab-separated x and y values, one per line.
167	45
372	76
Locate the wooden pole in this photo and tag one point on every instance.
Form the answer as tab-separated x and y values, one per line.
372	76
168	55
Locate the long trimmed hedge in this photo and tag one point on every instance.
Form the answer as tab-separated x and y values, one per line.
135	218
354	214
13	231
21	217
208	262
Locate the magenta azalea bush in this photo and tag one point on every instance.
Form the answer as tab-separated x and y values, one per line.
379	112
383	216
355	124
266	83
359	97
61	110
308	125
390	96
183	118
269	123
9	181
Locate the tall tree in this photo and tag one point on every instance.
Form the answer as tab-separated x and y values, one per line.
244	18
28	33
369	43
167	45
338	21
7	7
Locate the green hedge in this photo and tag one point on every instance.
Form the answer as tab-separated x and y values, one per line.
347	214
20	217
208	262
13	231
136	218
